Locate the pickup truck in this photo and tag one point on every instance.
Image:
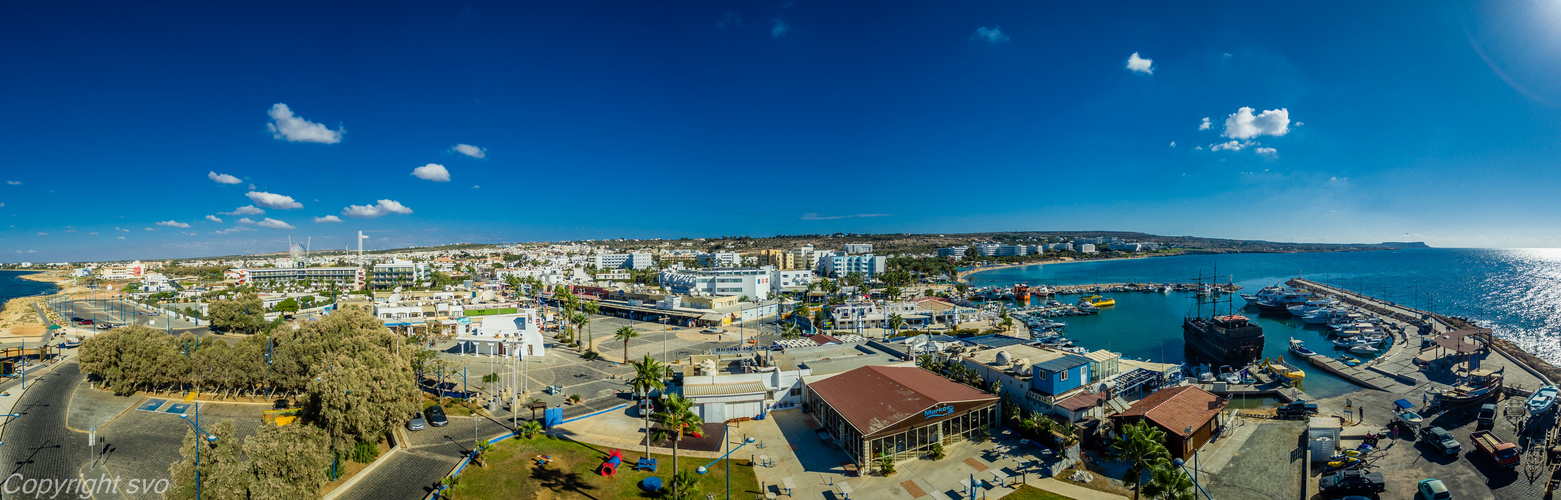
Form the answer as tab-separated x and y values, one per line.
1439	438
1487	416
1504	454
1296	409
1352	481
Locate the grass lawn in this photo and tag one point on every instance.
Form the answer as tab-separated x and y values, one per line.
1027	492
511	473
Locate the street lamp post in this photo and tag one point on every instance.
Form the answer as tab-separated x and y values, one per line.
1180	463
727	426
209	438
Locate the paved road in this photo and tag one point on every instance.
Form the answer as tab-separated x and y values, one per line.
37	444
429	456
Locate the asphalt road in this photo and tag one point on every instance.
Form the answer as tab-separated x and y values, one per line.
37	444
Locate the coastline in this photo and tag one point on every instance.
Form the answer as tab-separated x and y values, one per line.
965	274
17	318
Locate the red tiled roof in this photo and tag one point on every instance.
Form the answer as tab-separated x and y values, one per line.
1178	408
872	398
1082	400
822	339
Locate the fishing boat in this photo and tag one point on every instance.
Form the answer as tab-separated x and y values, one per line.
1279	367
1022	292
1480	384
1299	347
1543	399
1098	301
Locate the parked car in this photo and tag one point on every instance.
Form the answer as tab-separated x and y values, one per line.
75	319
1433	489
1487	416
281	404
416	423
1352	481
1296	409
435	416
1440	439
85	322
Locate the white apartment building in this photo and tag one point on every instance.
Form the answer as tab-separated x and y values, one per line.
636	260
859	248
399	272
720	259
348	278
752	282
869	265
1087	248
805	257
791	280
955	252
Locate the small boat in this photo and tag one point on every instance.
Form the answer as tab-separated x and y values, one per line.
1299	347
1543	399
1098	301
1228	375
1364	349
1349	360
1279	367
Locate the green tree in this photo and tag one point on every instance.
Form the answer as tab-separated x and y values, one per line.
287	305
222	474
895	322
685	485
529	429
361	383
583	322
647	377
676	414
625	334
242	314
1139	444
285	461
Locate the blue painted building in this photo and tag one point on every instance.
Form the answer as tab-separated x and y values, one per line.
1059	375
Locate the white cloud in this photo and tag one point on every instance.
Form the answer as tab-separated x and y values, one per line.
1244	125
251	186
1269	152
189	233
815	216
14	183
94	233
1232	146
121	237
1206	124
244	210
1198	148
1299	124
1140	65
171	223
213	218
270	223
149	229
245	220
121	229
779	28
222	178
271	200
1226	55
43	234
1173	144
2	205
475	186
470	150
432	172
286	126
383	207
992	35
232	230
328	218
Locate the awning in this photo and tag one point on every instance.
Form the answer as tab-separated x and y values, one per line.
1403	404
711	317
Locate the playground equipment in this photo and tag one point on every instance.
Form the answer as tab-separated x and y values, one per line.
543	460
651	484
646	464
610	466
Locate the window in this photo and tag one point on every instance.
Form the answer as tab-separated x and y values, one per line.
796	392
1064	376
1041	374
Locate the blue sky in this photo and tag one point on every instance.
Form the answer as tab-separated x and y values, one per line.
1386	121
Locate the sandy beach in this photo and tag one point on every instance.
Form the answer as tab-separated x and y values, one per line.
18	320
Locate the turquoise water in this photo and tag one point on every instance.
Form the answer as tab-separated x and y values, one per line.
1515	292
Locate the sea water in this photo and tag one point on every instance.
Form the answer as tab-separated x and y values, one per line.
1517	293
12	285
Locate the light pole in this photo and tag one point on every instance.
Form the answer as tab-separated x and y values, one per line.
1179	463
209	438
10	415
706	468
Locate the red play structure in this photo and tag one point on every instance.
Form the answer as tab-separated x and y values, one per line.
610	466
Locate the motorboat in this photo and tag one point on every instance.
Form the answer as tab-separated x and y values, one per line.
1098	301
1364	349
1543	399
1279	367
1349	360
1299	347
1311	305
1229	375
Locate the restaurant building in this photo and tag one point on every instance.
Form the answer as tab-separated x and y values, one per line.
901	411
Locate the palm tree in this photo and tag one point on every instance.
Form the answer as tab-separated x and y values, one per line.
685	485
1168	482
1140	445
529	429
895	322
677	414
647	376
591	308
790	331
961	288
583	320
624	334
